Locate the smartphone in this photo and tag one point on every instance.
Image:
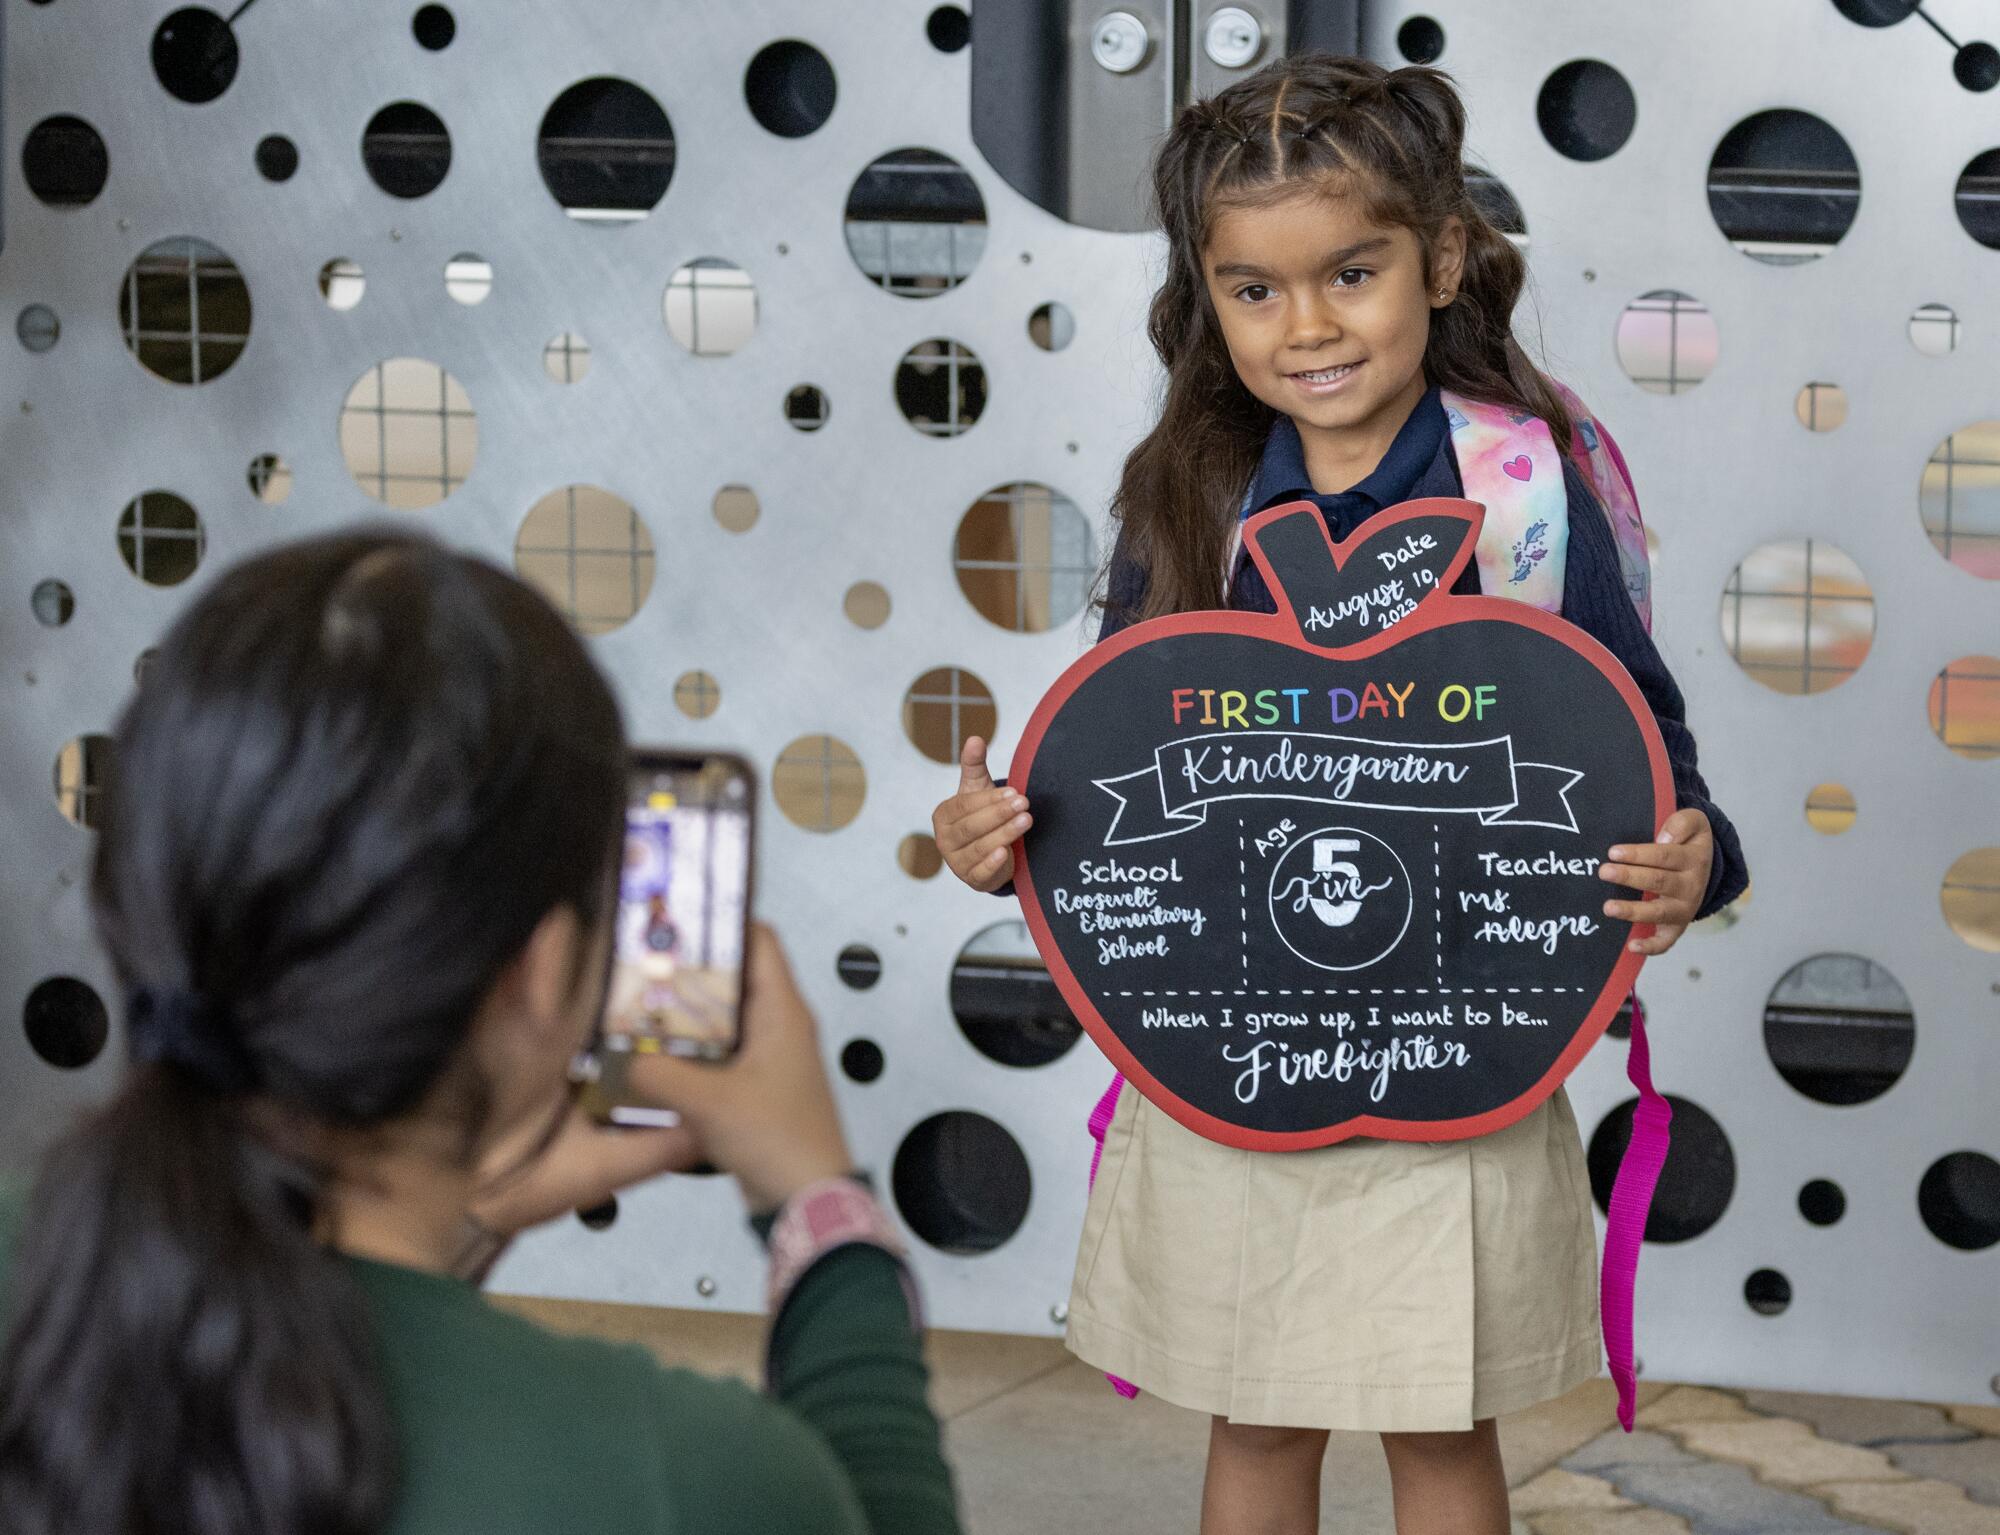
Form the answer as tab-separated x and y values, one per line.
683	921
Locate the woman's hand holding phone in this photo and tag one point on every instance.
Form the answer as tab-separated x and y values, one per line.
767	1114
976	828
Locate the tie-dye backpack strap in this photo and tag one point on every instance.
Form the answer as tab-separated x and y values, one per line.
1508	461
1595	453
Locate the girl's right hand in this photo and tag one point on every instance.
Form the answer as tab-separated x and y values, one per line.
976	828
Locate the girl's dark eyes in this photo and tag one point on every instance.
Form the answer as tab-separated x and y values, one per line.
1347	277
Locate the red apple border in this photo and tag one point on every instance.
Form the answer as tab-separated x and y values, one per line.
1437	608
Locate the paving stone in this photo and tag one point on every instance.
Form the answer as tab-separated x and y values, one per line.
1559	1489
1786	1454
1973	1464
1718	1499
1618	1448
1639	1521
1694	1404
1914	1507
1534	1440
1858	1420
1984	1420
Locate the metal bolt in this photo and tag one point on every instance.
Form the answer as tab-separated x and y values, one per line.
784	249
1694	974
1638	1365
1119	42
1234	37
395	234
124	224
1071	446
1589	274
1059	1314
1995	1384
1026	257
704	1287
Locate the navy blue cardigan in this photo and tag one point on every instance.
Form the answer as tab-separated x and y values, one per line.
1419	464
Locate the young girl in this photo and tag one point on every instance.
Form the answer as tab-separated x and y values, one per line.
1327	277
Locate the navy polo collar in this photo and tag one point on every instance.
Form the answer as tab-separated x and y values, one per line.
1281	473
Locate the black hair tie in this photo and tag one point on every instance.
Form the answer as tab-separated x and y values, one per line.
179	1029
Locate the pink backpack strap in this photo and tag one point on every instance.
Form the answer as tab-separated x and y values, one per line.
1595	453
1625	1227
1100	1122
1509	463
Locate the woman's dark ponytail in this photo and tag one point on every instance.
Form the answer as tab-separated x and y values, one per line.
360	773
184	1356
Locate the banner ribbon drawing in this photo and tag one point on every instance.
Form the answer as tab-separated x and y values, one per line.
1479	778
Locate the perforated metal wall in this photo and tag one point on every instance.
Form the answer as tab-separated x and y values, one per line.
664	417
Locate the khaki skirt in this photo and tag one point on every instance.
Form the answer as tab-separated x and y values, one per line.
1385	1285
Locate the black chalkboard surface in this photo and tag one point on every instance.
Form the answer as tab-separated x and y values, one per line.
1333	871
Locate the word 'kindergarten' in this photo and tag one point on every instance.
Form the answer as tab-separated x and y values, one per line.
1255	708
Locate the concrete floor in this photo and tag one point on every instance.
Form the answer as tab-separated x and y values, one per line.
1042	1446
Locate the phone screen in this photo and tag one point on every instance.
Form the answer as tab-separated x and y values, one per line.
683	907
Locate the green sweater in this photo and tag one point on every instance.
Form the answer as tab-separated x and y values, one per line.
508	1429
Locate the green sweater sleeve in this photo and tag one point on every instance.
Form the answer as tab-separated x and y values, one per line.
847	1358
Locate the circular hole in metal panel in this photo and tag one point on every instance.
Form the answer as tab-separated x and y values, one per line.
606	151
195	55
1024	557
736	508
82	777
961	1182
915	223
819	783
1586	110
1839	1028
277	157
1667	341
861	1060
1959	499
1822	1202
65	1022
161	538
1830	809
697	694
710	306
1798	616
1970	898
184	311
1965	707
941	387
408	433
589	553
790	88
944	706
1005	1001
1783	186
64	162
566	357
1959	1200
406	149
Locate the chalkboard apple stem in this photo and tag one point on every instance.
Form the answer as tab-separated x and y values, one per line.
1341	594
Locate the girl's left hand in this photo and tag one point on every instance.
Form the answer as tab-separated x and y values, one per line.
1674	869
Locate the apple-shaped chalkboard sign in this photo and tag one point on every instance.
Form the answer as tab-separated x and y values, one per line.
1332	871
